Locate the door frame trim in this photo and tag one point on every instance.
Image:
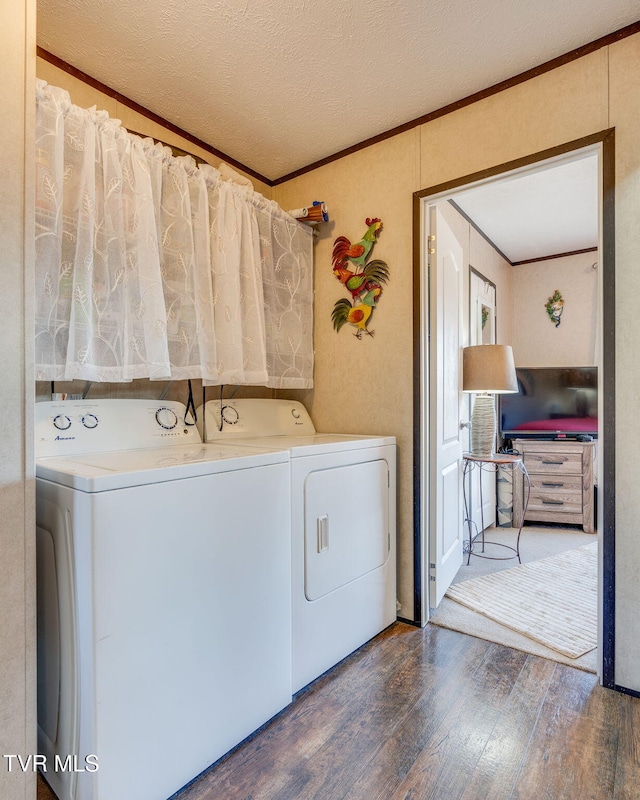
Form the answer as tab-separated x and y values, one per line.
606	139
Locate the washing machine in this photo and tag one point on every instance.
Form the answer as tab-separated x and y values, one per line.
164	612
343	524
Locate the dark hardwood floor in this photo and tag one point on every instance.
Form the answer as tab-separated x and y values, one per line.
438	715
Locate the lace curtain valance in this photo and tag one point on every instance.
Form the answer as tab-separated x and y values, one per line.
148	266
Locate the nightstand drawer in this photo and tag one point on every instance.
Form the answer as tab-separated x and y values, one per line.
556	483
556	501
554	463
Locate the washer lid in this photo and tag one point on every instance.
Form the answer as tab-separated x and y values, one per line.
99	472
317	443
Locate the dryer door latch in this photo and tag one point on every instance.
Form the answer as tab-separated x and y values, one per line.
323	532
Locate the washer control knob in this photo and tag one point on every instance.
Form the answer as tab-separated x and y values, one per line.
90	421
166	418
62	422
230	415
295	413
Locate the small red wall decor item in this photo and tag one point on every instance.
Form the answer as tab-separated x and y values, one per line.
362	278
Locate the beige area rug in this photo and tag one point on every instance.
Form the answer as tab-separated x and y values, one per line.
552	601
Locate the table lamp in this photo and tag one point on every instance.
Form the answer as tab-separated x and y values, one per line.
487	369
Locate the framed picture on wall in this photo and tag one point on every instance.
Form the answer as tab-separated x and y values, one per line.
482	309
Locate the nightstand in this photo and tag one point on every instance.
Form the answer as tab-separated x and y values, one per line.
561	483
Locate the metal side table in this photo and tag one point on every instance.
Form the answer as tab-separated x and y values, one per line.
492	463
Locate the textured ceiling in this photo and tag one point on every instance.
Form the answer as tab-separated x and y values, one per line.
280	84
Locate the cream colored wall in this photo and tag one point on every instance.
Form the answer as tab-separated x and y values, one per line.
17	527
536	340
578	99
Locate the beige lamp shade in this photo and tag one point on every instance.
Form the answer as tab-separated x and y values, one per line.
489	368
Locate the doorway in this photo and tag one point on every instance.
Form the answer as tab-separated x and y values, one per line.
427	391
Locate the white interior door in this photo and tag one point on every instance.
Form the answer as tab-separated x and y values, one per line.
446	293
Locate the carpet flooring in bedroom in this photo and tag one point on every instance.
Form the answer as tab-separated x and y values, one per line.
536	543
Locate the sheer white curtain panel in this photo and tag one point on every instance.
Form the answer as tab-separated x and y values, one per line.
287	280
99	303
150	266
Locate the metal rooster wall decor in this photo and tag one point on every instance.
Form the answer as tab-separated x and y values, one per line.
361	277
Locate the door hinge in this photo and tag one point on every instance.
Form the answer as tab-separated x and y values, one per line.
432	577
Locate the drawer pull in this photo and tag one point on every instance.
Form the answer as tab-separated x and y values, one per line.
556	463
553	502
554	485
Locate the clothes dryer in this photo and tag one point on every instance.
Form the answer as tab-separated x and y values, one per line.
343	523
164	633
